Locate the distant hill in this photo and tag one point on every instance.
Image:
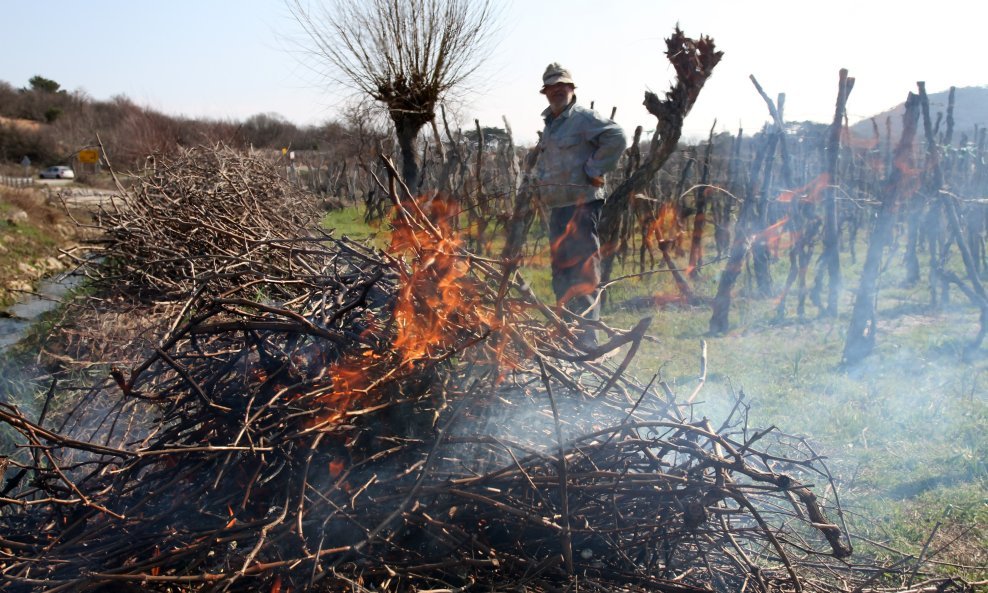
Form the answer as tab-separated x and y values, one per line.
21	124
970	110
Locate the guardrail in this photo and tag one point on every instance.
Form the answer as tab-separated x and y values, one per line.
16	181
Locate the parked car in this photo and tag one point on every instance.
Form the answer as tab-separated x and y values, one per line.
58	172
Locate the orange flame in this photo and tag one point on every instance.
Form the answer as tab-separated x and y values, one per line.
664	226
349	380
438	302
568	232
772	234
660	300
439	306
811	192
588	272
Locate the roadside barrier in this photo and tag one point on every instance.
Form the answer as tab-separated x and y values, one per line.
16	181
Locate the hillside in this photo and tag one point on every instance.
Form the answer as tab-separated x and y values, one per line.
49	125
970	110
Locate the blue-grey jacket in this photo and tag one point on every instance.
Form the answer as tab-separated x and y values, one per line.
576	145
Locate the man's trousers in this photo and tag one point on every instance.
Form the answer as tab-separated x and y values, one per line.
575	248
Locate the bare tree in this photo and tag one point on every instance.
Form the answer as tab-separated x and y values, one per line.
406	54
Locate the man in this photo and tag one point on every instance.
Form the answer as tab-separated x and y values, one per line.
578	147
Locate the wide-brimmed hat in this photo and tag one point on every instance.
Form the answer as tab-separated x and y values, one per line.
554	74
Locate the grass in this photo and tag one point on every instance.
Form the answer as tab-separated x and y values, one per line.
349	222
904	433
25	242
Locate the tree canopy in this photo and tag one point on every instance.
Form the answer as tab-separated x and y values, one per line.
406	54
45	85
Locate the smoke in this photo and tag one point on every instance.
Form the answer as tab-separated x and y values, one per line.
20	391
907	420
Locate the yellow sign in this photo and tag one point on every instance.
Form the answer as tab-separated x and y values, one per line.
90	155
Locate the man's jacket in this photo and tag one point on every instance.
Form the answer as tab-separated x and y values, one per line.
576	145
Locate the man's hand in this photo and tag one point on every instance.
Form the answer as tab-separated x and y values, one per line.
597	181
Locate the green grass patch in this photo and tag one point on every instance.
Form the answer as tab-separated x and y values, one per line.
349	222
25	242
21	244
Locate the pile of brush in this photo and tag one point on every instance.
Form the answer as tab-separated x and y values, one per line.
191	221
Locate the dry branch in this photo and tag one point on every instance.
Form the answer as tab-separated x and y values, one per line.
694	61
191	220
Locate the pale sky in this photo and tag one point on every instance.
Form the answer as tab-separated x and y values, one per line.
232	59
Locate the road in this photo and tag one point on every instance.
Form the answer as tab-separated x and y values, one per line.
73	195
53	182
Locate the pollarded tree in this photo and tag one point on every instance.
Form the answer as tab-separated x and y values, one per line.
406	54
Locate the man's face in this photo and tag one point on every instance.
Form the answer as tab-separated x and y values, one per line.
559	96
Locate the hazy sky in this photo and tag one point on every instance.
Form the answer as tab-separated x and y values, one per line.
234	59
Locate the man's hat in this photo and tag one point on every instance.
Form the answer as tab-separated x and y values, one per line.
554	74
